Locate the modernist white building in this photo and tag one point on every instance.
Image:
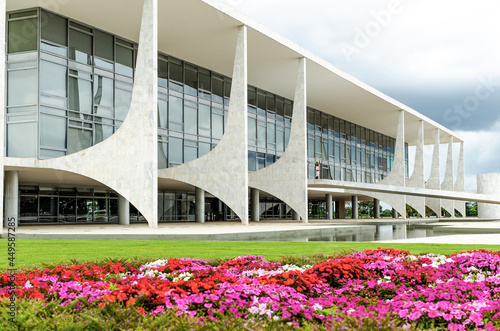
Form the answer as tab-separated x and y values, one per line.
120	111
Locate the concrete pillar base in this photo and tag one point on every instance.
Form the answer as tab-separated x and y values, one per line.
355	207
199	200
376	208
123	211
11	198
329	206
255	204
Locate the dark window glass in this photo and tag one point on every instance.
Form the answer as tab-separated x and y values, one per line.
162	73
252	97
217	90
205	81
23	35
175	74
124	61
191	78
80	47
54	28
104	45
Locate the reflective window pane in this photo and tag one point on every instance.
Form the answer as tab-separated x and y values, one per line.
190	120
175	113
53	78
52	131
102	132
23	35
80	47
22	87
191	78
122	103
175	150
103	91
21	139
162	155
190	153
217	126
80	95
204	148
78	139
204	116
162	114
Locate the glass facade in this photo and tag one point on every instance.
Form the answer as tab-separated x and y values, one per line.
69	87
40	205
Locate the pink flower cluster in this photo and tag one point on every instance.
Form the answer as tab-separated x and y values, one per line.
458	292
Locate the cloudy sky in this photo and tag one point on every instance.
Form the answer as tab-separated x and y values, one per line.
439	57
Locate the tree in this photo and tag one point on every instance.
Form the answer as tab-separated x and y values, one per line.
471	209
410	212
386	213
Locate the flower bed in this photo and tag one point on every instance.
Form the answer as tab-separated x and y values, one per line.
381	288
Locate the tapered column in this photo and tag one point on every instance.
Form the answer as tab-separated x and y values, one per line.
417	177
394	213
2	100
397	176
123	211
275	179
224	171
329	206
447	184
376	208
434	180
355	207
255	205
460	183
199	200
11	198
296	216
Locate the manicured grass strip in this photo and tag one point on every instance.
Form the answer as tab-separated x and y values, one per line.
31	252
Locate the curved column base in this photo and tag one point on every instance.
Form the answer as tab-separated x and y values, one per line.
434	204
449	206
460	207
417	203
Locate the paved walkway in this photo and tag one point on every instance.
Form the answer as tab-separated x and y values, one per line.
471	231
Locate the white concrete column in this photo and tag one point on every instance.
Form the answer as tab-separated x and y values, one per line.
224	171
123	211
296	216
275	179
417	177
255	205
488	184
11	198
397	176
447	184
2	100
376	208
329	206
394	213
199	200
355	207
460	182
434	180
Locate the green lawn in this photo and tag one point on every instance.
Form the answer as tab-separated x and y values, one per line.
31	252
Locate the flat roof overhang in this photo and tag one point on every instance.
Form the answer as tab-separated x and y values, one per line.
204	32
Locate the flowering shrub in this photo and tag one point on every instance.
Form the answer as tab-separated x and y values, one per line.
383	289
